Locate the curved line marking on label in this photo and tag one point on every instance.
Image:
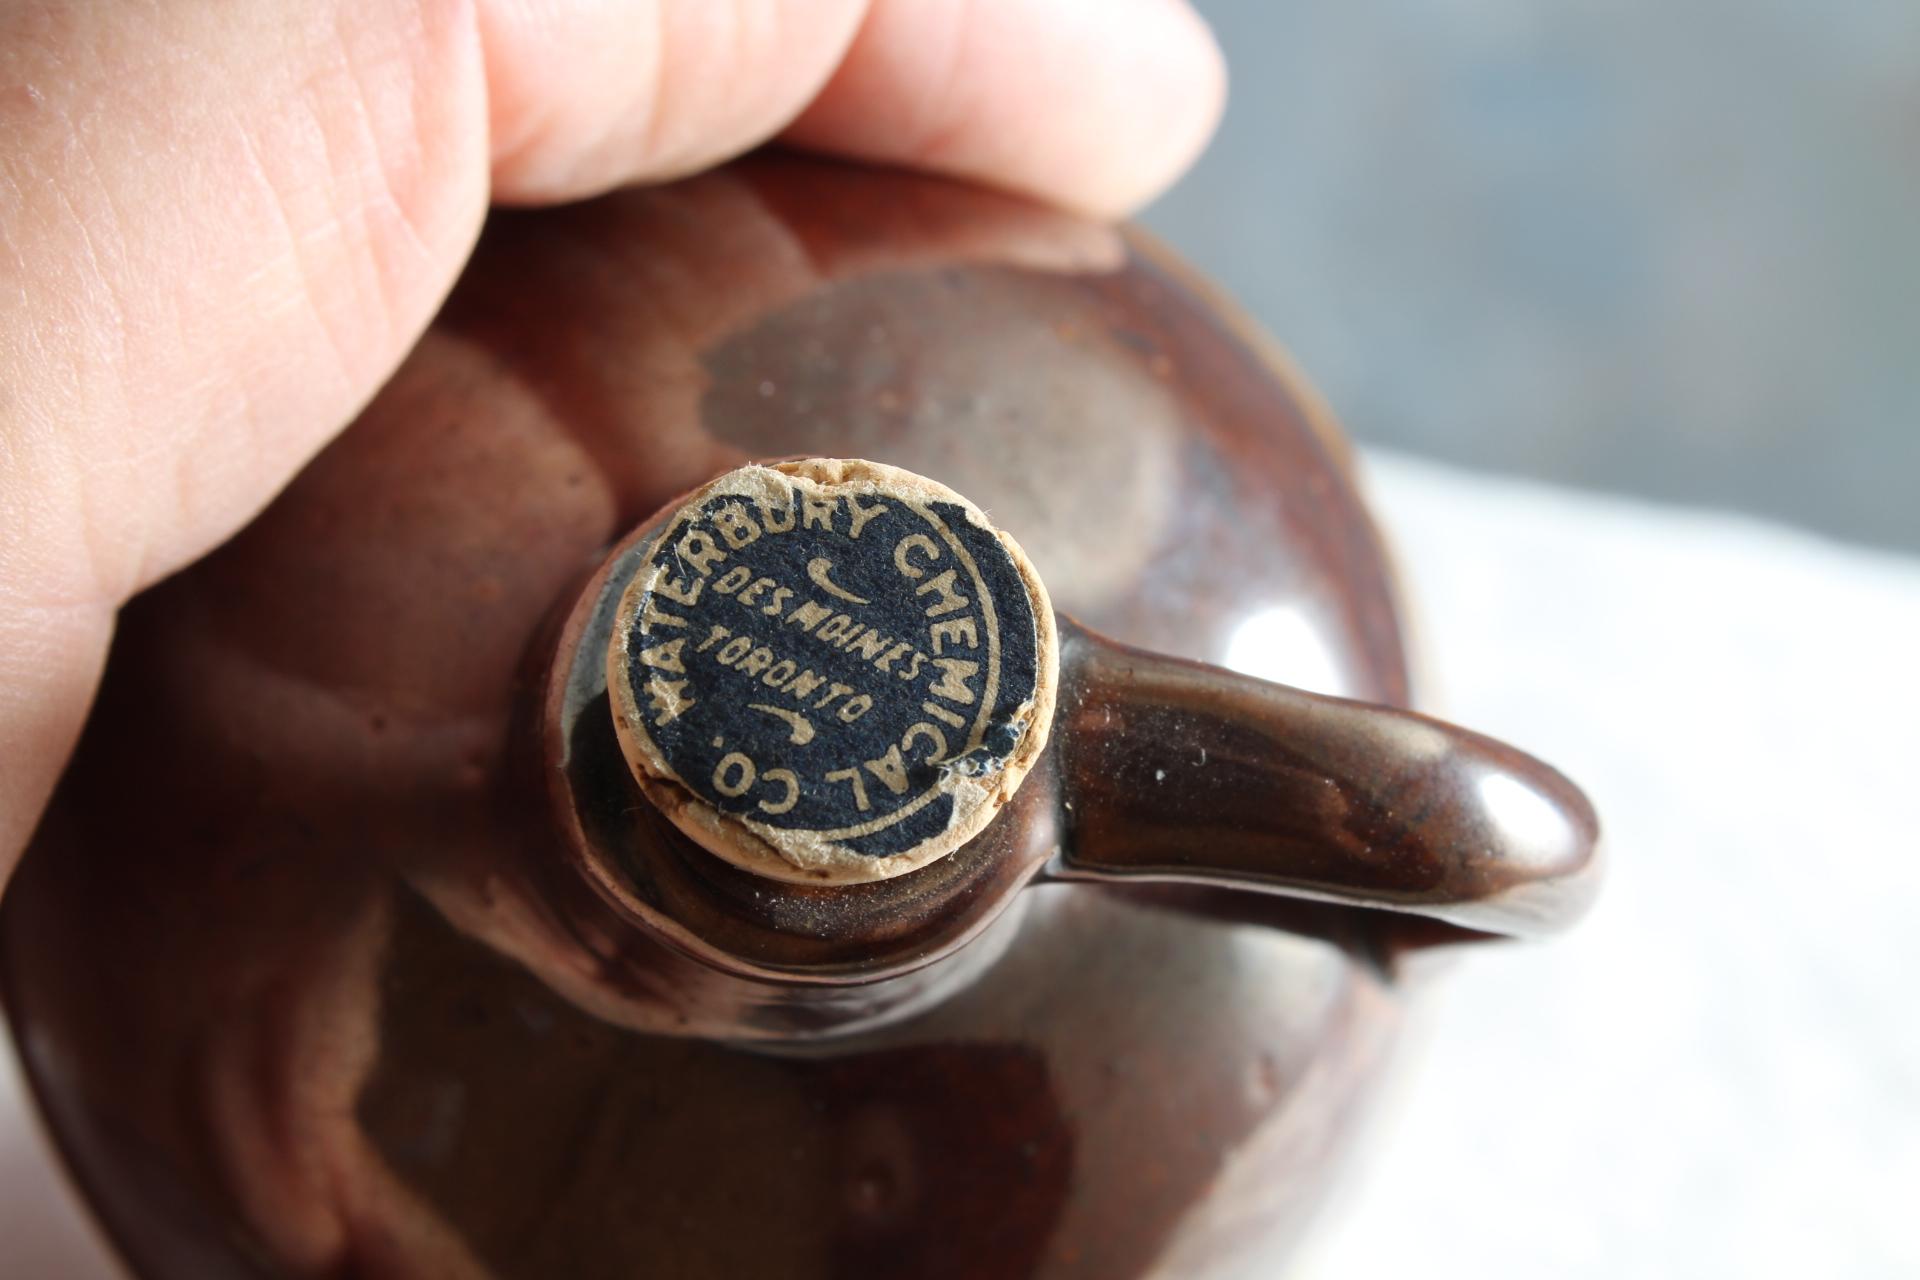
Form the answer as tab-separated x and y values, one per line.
817	574
801	728
989	614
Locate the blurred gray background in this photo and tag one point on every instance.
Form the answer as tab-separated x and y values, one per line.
1661	247
1668	249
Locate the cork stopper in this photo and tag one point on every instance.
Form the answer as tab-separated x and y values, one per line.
830	671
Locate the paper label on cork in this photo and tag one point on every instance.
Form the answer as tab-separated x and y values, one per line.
846	661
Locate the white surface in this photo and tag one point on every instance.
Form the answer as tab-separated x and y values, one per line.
46	1233
1718	1074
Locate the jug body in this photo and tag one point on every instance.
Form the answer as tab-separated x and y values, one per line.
304	988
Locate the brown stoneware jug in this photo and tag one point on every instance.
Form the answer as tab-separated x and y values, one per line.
755	757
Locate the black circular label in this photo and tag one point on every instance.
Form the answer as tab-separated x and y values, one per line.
833	660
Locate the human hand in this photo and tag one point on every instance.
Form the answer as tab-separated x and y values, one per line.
221	227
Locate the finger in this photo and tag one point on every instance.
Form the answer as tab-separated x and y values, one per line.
222	225
1094	104
588	96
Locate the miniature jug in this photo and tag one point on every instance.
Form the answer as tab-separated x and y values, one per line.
826	723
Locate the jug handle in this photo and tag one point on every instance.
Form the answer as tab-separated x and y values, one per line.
1179	772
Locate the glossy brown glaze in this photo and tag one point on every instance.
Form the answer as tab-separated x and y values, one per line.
1165	771
306	969
1178	774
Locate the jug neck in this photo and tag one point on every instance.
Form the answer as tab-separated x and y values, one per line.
810	842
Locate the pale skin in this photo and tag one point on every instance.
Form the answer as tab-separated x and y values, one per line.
223	224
